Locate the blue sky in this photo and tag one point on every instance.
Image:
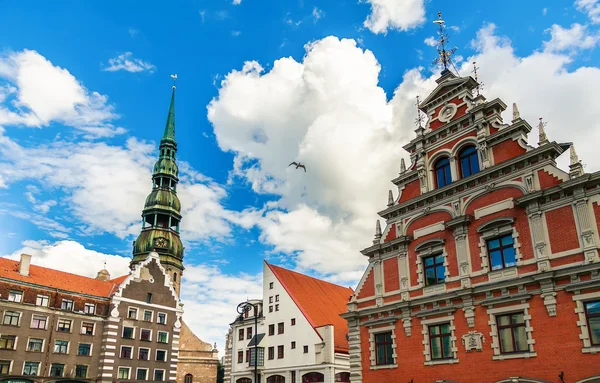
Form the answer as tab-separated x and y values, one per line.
85	87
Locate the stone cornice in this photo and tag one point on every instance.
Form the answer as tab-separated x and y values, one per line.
571	184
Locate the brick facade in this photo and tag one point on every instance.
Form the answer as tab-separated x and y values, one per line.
489	274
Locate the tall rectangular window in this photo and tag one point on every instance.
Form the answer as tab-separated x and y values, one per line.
144	353
249	333
270	285
592	312
434	269
511	333
64	325
81	371
305	349
277	298
248	354
383	348
442	172
161	355
67	304
148	315
293	321
159	375
241	334
4	367
15	296
31	368
440	340
89	308
271	353
279	352
11	318
35	345
293	345
149	298
61	346
39	322
501	252
42	300
7	342
240	357
141	374
132	313
280	328
84	349
271	329
57	369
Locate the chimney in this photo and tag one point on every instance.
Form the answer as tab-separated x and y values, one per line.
24	264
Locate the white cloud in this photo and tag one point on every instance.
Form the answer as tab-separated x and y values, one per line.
106	186
237	2
591	8
431	41
576	37
544	11
317	14
133	32
126	61
40	93
236	33
395	14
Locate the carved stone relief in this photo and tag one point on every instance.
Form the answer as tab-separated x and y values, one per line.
473	340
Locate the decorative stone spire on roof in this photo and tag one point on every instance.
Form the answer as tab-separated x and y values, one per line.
402	166
516	114
103	275
543	139
162	211
377	233
390	199
576	167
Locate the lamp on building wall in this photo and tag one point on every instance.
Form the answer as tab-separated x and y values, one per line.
242	309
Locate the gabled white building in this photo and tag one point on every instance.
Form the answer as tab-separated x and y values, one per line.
301	337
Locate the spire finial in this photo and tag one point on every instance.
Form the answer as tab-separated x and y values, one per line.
174	77
170	127
479	87
402	165
575	168
390	199
573	155
377	232
543	139
516	114
419	119
444	55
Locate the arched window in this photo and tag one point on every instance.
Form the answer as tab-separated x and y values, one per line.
276	379
313	377
469	163
342	377
175	280
188	378
442	172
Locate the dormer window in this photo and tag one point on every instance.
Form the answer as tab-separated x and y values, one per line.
443	176
469	163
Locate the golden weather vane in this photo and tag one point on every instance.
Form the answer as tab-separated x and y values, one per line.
174	77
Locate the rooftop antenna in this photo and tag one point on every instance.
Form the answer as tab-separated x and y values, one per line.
479	87
174	77
444	54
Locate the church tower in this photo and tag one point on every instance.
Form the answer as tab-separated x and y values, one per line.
162	211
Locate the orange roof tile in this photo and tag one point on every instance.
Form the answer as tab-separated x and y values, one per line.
59	279
321	302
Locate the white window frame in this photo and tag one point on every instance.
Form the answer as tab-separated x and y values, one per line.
151	315
91	348
372	351
10	367
502	229
582	323
70	325
495	343
14	344
428	249
64	300
121	351
33	337
144	348
123	332
61	353
15	296
86	311
31	361
38	317
93	328
425	323
141	369
128	372
166	318
156	355
154	374
87	371
137	312
151	333
18	320
158	334
44	299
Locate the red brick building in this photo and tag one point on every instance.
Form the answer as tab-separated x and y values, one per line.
487	269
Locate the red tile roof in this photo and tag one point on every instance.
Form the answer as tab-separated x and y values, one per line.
321	302
59	279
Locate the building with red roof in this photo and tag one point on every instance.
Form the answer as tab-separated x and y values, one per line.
300	336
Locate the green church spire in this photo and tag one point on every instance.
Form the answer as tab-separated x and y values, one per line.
162	211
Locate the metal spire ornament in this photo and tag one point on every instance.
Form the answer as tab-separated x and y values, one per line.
444	54
419	119
174	77
543	139
479	86
575	167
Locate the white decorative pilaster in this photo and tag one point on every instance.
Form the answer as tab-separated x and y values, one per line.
582	208
538	231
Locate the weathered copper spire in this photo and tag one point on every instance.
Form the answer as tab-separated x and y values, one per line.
162	211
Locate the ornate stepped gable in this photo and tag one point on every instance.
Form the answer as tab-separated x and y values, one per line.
473	181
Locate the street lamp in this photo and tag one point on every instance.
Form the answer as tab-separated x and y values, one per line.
242	309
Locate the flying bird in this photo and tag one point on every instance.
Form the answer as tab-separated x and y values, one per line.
298	165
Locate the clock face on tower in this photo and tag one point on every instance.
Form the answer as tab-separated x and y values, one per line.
161	242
